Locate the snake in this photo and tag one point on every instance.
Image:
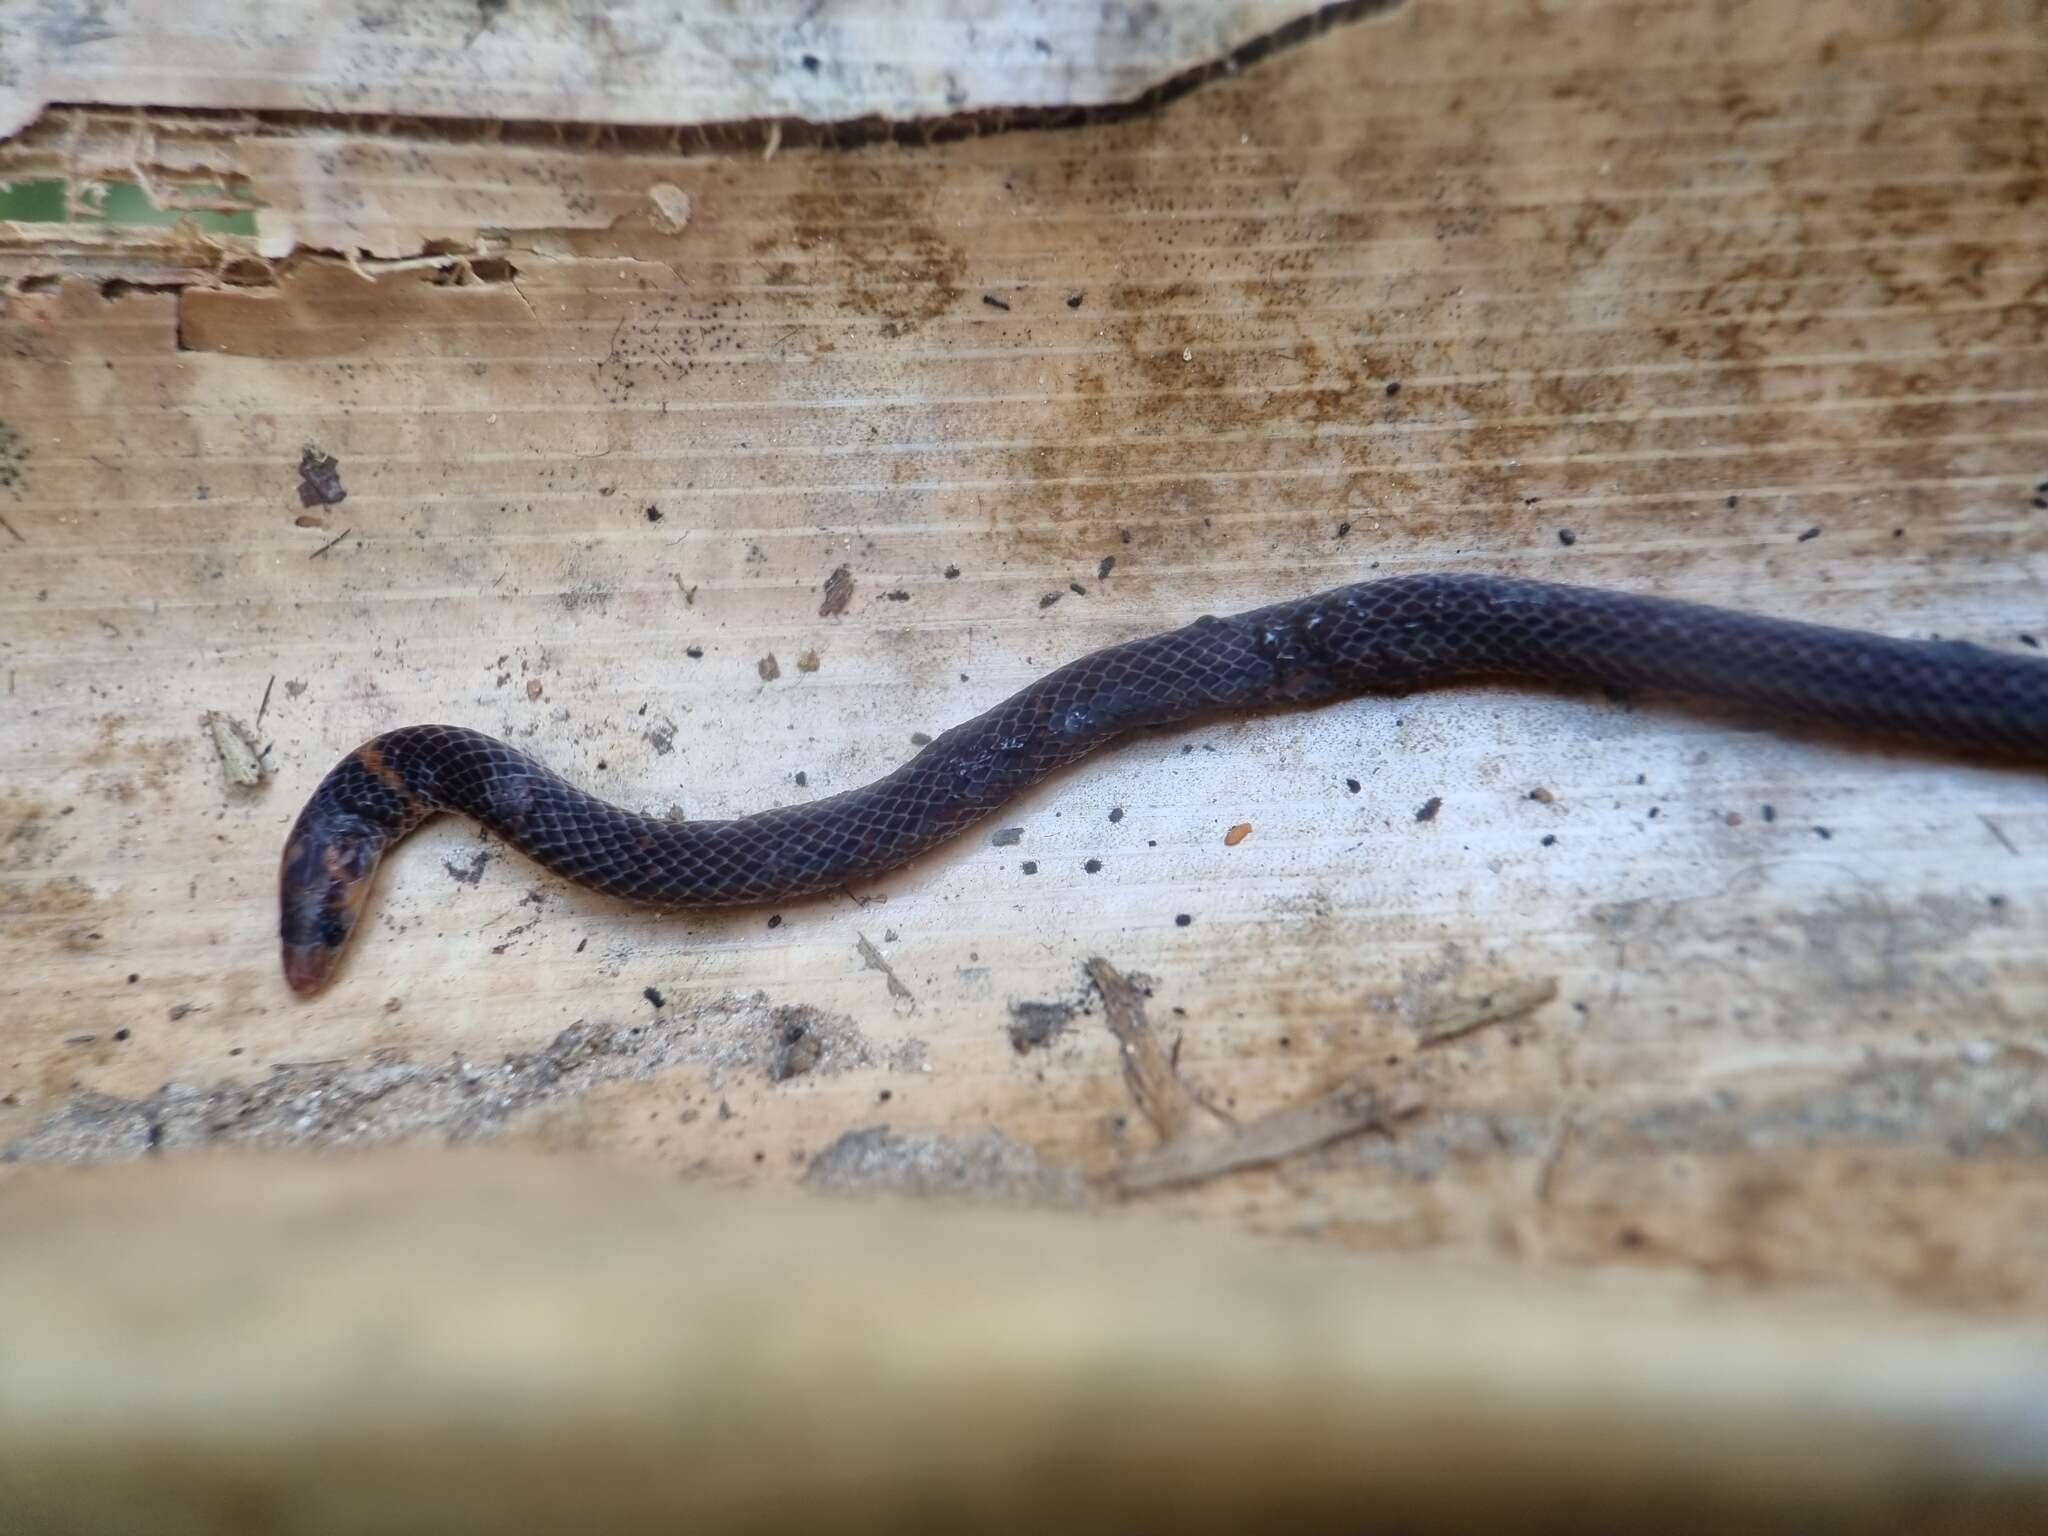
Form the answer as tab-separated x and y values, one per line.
1392	635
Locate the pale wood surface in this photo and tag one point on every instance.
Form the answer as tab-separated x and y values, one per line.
457	1343
1688	281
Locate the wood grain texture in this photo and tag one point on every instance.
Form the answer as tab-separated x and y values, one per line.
1748	300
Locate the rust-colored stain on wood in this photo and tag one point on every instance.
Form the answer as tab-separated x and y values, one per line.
1687	283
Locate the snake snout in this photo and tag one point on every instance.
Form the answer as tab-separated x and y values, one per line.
322	887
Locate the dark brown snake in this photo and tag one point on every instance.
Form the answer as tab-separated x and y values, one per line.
1389	636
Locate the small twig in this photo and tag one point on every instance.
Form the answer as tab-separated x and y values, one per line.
331	543
263	708
1462	1016
1553	1159
12	529
1200	1155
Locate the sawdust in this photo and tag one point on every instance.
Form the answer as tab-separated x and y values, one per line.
875	1160
391	1099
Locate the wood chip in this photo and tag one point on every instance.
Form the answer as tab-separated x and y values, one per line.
838	593
871	957
671	207
1162	1098
240	758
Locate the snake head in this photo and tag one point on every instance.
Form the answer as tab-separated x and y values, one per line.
328	864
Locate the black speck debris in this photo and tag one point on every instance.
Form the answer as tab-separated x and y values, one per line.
775	920
653	995
1352	785
1811	533
2030	642
1074	300
1343	530
810	63
802	778
898	596
796	1053
995	303
121	1034
654	514
694	652
1393	386
1006	837
1550	839
1031	866
1077	589
1734	501
1823	834
1770	813
1093	866
1428	809
767	668
838	593
1182	919
952	573
1108	564
920	739
1566	537
320	479
2041	503
1049	599
1035	1025
1116	813
470	873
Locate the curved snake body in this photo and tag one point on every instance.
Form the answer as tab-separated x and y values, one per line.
1390	636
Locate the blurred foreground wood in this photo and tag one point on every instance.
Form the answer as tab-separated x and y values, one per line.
486	1343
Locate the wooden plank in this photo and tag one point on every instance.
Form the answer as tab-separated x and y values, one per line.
1685	282
552	1345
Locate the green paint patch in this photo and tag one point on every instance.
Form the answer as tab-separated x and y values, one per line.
118	203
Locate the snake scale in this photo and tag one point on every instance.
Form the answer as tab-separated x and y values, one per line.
1394	635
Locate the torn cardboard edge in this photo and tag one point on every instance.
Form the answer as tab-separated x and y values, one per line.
214	194
859	68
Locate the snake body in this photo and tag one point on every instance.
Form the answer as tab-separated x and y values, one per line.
1388	636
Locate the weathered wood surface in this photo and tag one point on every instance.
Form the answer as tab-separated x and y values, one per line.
459	1343
1743	303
